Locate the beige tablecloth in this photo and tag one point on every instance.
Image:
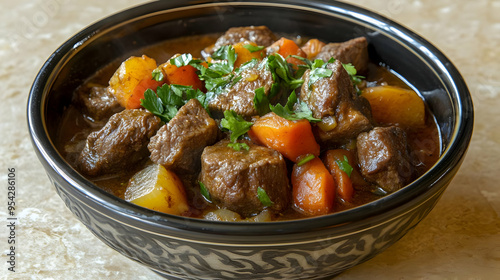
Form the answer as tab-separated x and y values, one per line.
460	239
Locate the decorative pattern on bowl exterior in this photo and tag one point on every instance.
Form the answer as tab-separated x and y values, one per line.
325	256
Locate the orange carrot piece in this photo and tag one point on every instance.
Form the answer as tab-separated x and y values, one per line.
291	138
312	48
245	55
345	189
134	100
184	75
313	188
287	47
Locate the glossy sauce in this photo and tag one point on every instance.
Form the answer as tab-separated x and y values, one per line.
75	127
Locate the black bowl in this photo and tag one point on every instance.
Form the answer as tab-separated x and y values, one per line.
314	248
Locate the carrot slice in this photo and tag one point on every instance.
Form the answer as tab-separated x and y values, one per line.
313	188
184	75
331	158
291	138
286	47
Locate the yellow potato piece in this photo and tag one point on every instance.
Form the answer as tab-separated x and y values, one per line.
158	189
244	55
130	73
394	105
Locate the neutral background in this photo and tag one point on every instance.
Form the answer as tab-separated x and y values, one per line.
460	239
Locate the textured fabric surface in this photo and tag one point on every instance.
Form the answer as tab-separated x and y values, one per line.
460	239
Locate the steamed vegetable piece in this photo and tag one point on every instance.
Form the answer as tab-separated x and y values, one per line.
158	189
132	79
394	105
291	138
339	162
313	188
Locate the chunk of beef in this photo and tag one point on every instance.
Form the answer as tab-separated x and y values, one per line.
334	100
260	35
178	145
239	97
354	51
120	144
97	102
233	177
384	158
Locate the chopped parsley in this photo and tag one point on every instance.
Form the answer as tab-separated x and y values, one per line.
157	74
345	166
252	48
263	197
167	100
238	127
204	191
302	111
261	102
305	159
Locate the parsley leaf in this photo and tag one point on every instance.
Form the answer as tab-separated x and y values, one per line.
169	98
301	112
305	159
236	124
237	146
204	191
282	71
157	74
263	197
345	166
261	102
228	54
184	59
252	48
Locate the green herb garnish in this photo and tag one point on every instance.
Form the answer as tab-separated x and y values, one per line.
204	191
253	48
305	159
261	102
345	166
302	111
157	75
236	124
238	146
263	197
168	99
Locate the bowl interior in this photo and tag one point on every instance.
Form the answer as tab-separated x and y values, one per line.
124	34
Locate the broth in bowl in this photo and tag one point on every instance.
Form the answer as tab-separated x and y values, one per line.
249	126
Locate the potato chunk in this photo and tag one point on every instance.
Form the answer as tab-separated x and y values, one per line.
394	105
131	79
158	189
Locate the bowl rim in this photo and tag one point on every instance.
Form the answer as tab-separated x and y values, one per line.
450	157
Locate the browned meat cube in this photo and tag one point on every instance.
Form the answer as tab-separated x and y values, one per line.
233	177
120	144
354	51
333	99
240	96
97	102
260	35
384	158
178	145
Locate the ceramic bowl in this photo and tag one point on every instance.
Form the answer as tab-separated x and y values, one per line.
186	248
